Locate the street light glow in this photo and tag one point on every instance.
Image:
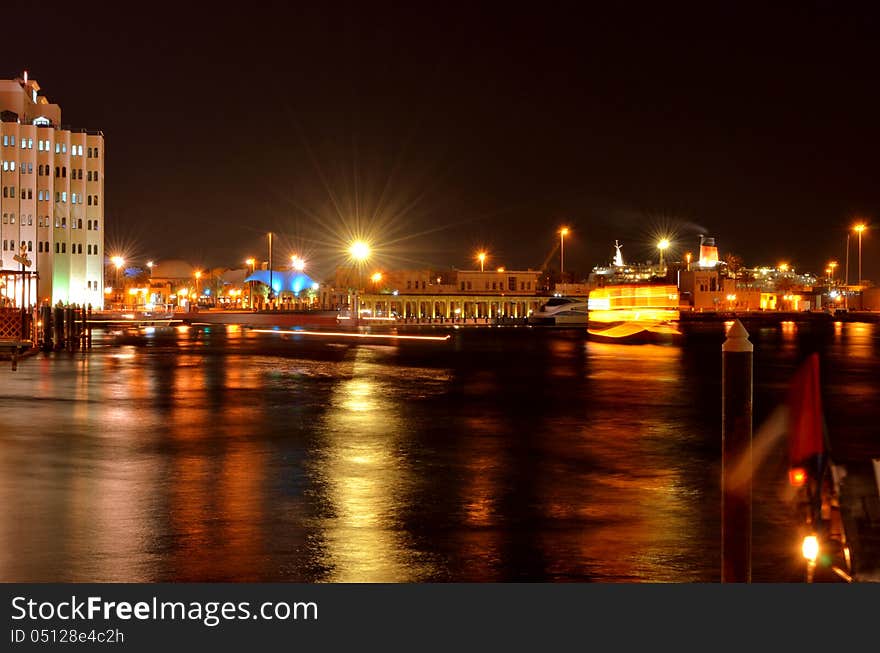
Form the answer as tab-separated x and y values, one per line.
359	250
859	228
118	261
297	263
663	244
377	277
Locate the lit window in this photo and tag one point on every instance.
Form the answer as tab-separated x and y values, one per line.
31	144
12	165
64	196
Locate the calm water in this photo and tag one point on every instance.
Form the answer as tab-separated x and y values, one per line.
505	454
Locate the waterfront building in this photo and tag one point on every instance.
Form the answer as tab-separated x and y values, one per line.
427	293
52	202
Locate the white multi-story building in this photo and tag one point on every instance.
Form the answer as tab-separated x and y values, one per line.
52	201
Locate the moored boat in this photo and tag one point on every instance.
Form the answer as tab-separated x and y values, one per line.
634	312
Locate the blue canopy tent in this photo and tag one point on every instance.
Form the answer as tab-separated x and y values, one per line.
283	280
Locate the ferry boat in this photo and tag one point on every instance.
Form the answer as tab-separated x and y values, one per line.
561	311
634	312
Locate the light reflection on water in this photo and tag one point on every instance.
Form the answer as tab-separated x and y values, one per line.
508	455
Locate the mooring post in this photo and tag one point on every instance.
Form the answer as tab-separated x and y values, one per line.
736	448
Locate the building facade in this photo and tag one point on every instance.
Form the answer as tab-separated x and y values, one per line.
52	201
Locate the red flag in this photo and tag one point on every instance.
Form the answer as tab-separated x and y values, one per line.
805	421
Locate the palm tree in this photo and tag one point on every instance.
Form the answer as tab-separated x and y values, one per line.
734	264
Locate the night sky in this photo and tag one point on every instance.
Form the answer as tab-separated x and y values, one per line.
440	128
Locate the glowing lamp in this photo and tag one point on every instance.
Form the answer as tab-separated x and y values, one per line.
810	548
359	250
797	476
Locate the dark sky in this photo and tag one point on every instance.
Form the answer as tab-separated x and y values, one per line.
441	127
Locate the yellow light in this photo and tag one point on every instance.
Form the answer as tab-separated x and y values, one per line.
663	244
298	264
198	274
118	261
359	250
797	476
108	290
810	548
377	277
500	269
783	267
250	262
481	257
150	264
731	298
563	231
860	227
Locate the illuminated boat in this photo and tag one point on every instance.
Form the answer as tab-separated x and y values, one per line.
144	315
561	311
636	312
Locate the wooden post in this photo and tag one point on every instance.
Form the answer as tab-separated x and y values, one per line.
736	447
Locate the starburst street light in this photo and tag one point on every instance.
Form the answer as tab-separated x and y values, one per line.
118	261
297	263
481	257
359	251
376	278
663	245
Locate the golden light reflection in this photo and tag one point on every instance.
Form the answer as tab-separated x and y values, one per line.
364	474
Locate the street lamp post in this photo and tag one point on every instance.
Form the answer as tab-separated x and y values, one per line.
859	229
832	265
198	290
481	257
663	245
359	251
271	295
118	261
252	263
562	234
